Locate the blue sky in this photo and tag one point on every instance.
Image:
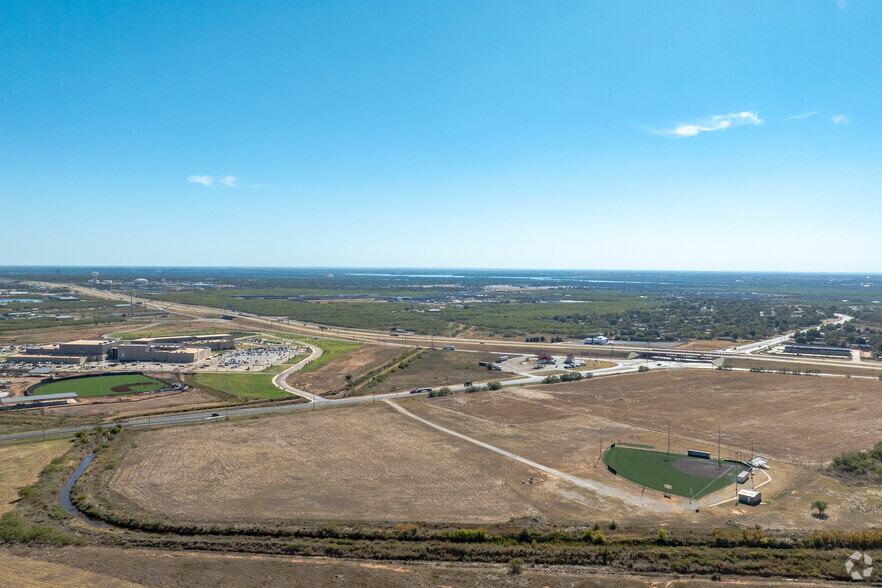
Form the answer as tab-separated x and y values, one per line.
641	135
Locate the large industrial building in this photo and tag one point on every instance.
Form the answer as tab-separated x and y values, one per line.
82	350
177	349
172	353
213	342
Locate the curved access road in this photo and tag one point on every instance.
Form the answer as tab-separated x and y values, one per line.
280	381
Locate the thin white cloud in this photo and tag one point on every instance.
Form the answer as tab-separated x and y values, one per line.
230	181
840	119
719	122
204	180
804	115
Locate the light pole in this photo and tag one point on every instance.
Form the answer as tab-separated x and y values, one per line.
669	439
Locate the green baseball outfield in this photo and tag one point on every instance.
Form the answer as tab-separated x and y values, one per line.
689	477
109	385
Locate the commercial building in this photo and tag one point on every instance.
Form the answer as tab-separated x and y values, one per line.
217	342
598	340
33	358
161	353
85	349
813	350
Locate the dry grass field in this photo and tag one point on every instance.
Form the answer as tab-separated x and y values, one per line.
107	566
369	463
332	375
25	572
361	463
21	464
439	368
121	406
559	426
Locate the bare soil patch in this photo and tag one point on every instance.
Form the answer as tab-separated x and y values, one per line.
366	463
331	376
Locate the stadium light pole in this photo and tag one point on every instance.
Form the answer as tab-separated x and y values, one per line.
669	439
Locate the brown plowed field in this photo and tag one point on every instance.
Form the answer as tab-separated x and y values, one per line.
332	375
360	463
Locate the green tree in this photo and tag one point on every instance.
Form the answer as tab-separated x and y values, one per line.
821	506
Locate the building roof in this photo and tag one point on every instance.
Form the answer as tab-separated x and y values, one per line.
26	399
41	370
88	342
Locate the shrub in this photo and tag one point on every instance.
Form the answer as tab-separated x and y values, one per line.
515	565
613	525
643	368
662	536
494	385
25	491
595	537
472	389
551	380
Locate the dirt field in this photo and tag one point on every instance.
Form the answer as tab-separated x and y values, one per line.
360	463
94	566
332	375
20	465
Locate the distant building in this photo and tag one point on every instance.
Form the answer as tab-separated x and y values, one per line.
597	340
812	350
171	353
214	342
544	358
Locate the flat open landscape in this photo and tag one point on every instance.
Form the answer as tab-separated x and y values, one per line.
362	463
245	386
328	373
21	464
115	567
437	368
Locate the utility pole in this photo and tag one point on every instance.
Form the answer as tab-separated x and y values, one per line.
719	441
601	442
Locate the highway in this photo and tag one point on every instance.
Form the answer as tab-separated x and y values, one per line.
376	337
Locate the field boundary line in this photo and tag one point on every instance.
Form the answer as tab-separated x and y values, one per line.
595	487
768	479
